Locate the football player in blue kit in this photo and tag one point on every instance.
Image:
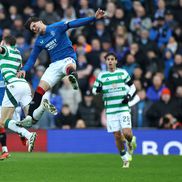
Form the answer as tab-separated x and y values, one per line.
54	39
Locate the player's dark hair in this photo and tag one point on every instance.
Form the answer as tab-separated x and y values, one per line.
30	20
110	54
11	40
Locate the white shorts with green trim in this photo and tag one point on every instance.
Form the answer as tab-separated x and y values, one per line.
17	93
56	71
118	121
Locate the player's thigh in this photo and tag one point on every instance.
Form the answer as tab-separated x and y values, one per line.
125	120
26	97
13	94
7	113
56	71
113	123
68	62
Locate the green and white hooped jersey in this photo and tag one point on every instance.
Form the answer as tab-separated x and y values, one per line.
114	88
10	63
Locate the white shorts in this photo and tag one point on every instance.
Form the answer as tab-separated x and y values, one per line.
118	121
17	93
56	71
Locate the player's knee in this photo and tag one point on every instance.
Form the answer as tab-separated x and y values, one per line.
117	136
70	68
127	133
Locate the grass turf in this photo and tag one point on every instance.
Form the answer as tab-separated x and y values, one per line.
46	167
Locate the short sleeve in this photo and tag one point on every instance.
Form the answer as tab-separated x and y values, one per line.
126	76
6	51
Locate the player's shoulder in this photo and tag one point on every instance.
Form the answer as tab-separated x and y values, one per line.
56	24
121	70
103	74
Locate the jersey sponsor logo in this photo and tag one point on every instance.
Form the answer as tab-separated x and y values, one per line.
51	45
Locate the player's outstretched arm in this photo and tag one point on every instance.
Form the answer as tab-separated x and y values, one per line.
32	58
84	21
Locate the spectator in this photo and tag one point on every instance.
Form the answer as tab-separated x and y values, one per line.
84	71
39	7
168	62
178	35
110	9
169	19
177	11
49	15
138	111
130	64
106	44
175	75
154	91
103	66
163	109
120	48
69	14
139	56
4	21
70	97
160	32
161	6
174	46
93	57
118	19
87	111
82	46
145	44
140	21
27	12
84	9
65	119
100	32
13	11
21	44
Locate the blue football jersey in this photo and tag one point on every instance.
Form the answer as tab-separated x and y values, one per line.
56	41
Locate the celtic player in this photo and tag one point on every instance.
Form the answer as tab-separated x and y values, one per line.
118	90
17	90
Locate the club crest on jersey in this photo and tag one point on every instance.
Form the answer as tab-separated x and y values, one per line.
53	33
119	77
41	42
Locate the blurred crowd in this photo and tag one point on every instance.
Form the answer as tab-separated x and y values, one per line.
146	36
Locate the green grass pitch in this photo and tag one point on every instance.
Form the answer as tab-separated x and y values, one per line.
46	167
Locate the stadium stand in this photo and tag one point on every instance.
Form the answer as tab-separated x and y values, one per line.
146	35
